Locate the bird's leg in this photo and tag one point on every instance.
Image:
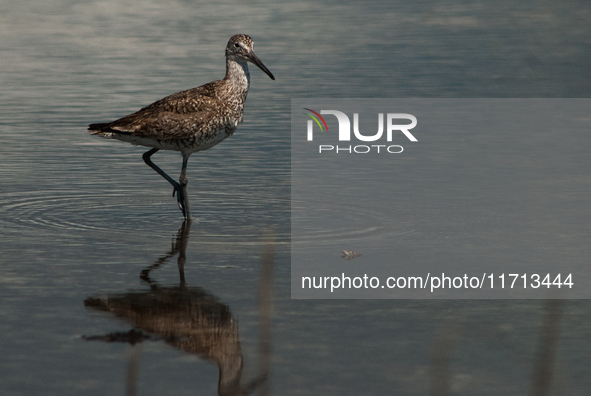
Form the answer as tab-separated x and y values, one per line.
178	189
183	183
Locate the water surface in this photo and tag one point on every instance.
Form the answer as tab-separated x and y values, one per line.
81	217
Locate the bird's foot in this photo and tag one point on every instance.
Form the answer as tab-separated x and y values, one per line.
180	197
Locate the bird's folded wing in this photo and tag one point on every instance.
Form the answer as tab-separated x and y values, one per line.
181	114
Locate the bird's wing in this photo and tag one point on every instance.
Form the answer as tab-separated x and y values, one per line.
168	117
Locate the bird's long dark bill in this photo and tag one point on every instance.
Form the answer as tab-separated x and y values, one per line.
255	59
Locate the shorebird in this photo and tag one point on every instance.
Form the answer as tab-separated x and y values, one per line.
191	120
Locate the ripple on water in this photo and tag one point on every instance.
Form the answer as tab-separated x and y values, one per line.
348	222
343	222
219	216
226	217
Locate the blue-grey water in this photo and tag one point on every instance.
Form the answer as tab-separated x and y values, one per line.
81	217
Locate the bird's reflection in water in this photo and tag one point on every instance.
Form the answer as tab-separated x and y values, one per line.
188	318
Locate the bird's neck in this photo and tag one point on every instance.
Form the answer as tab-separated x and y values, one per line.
237	74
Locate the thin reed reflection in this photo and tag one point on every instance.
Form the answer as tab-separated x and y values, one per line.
455	335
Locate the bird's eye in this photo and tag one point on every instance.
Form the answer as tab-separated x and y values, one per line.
236	45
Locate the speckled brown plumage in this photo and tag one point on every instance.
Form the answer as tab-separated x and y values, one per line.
191	120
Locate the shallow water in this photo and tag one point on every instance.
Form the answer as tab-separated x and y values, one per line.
81	217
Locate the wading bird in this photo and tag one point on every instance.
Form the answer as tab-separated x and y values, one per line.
191	120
